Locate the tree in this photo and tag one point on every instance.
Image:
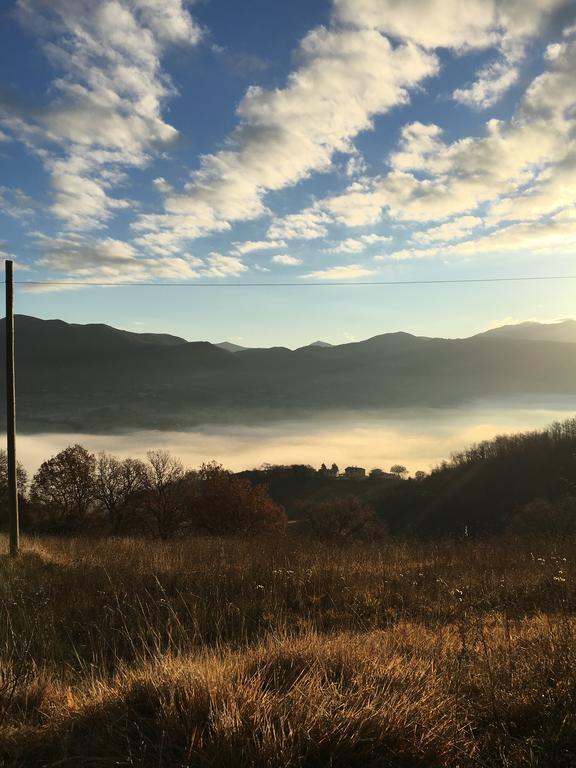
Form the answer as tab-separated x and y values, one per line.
419	475
399	470
542	516
222	504
22	479
64	485
117	482
343	519
164	482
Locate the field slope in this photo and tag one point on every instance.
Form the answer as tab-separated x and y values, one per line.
244	653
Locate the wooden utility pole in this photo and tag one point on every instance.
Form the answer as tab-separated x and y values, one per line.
11	414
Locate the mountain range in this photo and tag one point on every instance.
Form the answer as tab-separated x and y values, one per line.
97	378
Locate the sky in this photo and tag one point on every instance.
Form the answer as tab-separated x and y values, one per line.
306	142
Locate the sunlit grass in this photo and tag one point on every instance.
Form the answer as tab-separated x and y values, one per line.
204	652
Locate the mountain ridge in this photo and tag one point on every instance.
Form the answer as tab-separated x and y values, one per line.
73	377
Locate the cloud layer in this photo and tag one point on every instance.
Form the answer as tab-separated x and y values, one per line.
506	186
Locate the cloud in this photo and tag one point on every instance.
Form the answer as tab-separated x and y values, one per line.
345	78
347	272
80	258
250	246
492	83
286	260
106	111
359	244
506	25
461	26
556	235
307	225
15	203
223	266
452	230
523	167
240	64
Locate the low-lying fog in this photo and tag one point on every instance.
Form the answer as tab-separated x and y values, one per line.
416	438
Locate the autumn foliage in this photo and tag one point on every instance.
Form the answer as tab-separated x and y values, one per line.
222	503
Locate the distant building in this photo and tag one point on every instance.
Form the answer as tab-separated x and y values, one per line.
354	473
379	474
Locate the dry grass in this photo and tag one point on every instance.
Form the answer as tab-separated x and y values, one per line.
214	653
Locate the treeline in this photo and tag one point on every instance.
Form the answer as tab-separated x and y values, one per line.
522	483
79	491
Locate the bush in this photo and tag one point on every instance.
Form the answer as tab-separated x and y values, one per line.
544	516
343	519
221	503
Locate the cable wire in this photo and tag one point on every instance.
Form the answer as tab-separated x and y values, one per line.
331	284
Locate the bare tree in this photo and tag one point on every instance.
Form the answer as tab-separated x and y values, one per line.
21	473
399	470
164	485
64	484
116	484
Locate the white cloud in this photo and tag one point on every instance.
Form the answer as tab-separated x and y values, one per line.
106	112
346	77
347	272
557	235
16	203
491	84
80	258
506	25
358	244
553	236
307	225
286	260
524	167
223	266
250	246
452	230
450	23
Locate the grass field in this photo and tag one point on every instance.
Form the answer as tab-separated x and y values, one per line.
259	653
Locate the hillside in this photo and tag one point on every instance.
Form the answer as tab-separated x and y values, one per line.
564	331
97	378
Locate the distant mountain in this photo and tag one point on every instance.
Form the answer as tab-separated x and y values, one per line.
97	378
320	344
230	347
564	331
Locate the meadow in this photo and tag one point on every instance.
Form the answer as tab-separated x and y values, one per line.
209	652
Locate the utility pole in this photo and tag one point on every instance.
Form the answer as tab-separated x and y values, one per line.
11	414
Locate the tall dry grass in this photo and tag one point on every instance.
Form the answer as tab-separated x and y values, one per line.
204	652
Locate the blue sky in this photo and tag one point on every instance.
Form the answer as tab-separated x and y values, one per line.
305	142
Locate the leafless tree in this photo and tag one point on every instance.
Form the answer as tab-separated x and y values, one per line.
117	482
164	491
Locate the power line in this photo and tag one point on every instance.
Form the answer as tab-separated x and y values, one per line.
331	284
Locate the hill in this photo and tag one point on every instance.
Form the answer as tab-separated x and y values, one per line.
564	331
97	378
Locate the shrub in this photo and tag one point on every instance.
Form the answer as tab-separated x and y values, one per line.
221	503
544	516
342	519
